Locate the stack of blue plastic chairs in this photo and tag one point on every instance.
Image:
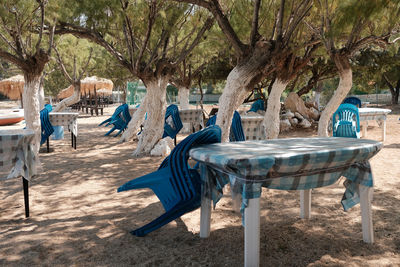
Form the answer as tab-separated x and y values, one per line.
46	127
346	121
257	105
353	100
177	186
169	130
119	120
236	133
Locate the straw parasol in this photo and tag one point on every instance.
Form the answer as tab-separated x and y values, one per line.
88	84
13	87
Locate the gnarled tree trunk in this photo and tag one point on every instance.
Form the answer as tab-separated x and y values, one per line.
242	77
345	83
74	98
136	121
32	106
183	97
155	107
272	119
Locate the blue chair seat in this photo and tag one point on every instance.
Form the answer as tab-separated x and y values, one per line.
176	185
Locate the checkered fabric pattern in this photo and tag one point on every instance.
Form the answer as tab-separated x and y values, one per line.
287	164
370	114
17	157
252	127
192	116
67	119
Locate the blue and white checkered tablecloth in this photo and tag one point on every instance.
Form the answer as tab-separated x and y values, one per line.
286	164
67	119
17	157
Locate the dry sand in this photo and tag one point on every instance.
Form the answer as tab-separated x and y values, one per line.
78	218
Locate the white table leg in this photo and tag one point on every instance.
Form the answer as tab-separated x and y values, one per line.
252	233
305	204
384	130
366	213
205	217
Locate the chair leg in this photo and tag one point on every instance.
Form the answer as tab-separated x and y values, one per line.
48	144
25	184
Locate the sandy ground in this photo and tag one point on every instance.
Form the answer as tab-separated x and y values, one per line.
78	218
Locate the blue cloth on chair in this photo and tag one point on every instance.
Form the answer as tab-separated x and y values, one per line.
236	133
172	114
346	121
176	185
257	105
46	127
352	100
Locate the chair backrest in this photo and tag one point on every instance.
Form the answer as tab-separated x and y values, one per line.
236	133
352	100
172	114
178	159
257	105
346	121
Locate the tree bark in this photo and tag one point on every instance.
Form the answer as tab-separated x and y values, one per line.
242	77
136	120
271	121
183	97
74	98
32	106
345	83
155	107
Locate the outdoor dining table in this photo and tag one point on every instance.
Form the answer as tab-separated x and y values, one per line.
285	164
67	119
17	158
376	114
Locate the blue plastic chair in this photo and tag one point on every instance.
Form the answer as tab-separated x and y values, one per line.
352	100
173	113
346	121
117	111
46	127
119	120
236	133
177	186
257	105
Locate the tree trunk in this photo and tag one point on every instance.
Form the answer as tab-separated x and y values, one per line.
345	83
41	96
136	120
32	106
317	98
74	98
271	121
395	96
235	93
155	107
183	97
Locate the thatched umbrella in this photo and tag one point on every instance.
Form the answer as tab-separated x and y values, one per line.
13	87
88	84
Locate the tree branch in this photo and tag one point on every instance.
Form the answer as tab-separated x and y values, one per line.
41	4
152	15
214	7
96	37
207	25
86	65
254	25
62	66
